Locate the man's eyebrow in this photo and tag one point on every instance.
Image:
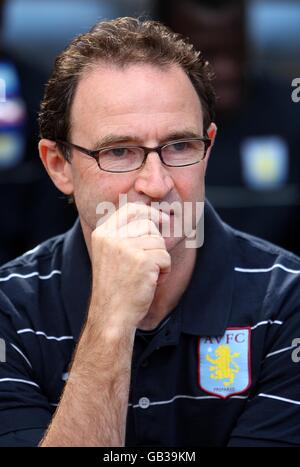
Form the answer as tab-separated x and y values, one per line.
108	140
184	134
112	139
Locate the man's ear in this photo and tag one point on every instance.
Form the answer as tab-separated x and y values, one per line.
56	165
211	133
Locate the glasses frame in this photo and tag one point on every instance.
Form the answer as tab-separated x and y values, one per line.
158	149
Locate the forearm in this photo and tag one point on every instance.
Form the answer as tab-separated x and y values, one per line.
93	408
126	264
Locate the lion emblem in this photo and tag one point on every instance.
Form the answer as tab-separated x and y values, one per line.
223	366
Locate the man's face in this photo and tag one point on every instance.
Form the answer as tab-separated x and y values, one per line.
136	105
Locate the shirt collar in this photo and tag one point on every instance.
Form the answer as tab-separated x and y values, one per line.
206	304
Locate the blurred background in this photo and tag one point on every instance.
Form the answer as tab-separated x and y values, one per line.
253	177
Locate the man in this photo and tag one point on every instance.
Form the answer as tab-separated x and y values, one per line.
116	334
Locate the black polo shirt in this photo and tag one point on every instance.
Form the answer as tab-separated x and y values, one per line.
219	370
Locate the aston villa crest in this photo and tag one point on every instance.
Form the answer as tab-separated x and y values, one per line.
224	363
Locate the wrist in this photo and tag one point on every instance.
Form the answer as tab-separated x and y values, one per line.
112	327
116	318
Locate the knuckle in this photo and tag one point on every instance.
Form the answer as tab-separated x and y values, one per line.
98	234
167	258
139	262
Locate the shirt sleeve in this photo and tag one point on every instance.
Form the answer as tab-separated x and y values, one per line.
23	406
272	413
22	438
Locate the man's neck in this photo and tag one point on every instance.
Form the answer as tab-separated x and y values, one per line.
168	293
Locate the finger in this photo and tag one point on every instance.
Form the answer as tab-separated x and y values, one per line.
137	228
147	242
134	211
161	258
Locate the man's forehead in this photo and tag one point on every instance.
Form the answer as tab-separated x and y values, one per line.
108	71
112	92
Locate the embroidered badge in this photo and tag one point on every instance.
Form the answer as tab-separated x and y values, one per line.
224	363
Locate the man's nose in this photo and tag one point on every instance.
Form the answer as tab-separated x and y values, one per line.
153	178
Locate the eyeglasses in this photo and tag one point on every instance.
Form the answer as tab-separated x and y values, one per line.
118	159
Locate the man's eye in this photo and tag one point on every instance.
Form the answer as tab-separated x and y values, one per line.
178	147
118	152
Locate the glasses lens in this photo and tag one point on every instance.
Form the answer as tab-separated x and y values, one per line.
121	159
183	152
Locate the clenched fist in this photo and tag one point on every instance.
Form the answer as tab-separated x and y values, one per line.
129	259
